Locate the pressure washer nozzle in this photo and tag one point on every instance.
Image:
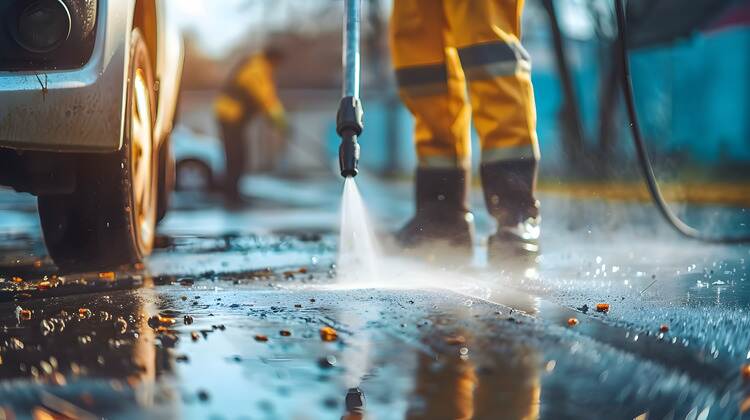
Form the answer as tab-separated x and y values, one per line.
349	155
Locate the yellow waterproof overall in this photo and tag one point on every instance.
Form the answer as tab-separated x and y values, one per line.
250	89
437	45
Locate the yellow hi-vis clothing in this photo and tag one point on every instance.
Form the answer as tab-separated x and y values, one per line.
437	45
249	90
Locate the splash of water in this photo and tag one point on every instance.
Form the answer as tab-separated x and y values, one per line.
358	248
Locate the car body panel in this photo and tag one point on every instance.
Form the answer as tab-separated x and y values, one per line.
71	110
82	110
169	62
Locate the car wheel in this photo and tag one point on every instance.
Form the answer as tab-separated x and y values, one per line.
193	175
110	217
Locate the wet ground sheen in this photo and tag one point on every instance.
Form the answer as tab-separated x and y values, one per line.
243	315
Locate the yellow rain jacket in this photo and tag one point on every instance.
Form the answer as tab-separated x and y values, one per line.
249	90
439	45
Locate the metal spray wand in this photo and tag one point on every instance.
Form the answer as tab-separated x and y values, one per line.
349	117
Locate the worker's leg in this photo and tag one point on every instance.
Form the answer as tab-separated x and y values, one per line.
234	149
231	114
432	85
487	34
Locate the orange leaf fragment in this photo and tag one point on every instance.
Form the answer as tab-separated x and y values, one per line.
455	341
157	320
107	275
602	307
328	334
745	371
261	338
745	405
24	314
572	322
165	320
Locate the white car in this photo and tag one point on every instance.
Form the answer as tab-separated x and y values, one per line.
88	93
200	161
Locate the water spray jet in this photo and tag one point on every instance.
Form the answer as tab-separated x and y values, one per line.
358	250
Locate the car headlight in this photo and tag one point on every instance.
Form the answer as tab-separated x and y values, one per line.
43	25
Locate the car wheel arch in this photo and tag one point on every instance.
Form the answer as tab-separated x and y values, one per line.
145	19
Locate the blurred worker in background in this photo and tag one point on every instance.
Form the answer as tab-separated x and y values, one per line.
249	91
437	47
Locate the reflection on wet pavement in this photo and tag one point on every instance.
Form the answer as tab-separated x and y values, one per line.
242	317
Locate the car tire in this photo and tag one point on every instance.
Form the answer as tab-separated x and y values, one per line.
110	217
166	182
196	166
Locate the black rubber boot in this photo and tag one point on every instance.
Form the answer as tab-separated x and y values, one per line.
509	194
442	212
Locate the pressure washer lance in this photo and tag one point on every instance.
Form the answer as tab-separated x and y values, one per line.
349	116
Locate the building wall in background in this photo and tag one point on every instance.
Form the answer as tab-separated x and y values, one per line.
693	98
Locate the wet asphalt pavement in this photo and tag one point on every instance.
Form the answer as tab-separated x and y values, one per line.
243	315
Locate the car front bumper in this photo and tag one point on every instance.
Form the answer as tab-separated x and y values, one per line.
79	110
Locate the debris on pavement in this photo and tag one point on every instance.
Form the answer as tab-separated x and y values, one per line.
328	334
327	362
745	371
261	338
84	313
187	281
602	307
745	406
121	325
203	395
157	321
455	340
107	275
355	401
22	314
664	328
572	322
289	275
168	338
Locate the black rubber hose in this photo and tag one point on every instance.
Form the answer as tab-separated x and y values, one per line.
640	147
